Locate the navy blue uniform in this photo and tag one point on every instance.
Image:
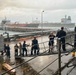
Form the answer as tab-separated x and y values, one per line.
35	46
51	40
16	50
75	38
24	48
61	34
5	47
8	51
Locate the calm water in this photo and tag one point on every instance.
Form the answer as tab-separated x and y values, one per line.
53	28
10	32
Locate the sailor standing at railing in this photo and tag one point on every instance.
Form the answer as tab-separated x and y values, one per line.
61	34
51	42
5	48
73	53
16	49
35	46
24	45
75	38
20	48
8	51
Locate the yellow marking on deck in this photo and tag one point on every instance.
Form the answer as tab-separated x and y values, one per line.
73	53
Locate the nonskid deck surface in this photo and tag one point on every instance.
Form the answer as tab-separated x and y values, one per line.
40	62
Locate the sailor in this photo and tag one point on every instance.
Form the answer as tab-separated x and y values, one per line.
73	53
35	46
5	48
16	49
61	34
24	47
20	48
8	51
51	41
75	38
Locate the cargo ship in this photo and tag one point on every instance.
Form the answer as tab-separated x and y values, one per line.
65	22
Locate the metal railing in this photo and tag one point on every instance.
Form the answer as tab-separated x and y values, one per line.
69	41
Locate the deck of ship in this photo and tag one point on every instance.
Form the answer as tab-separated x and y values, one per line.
44	64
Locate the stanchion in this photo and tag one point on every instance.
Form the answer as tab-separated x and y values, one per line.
59	56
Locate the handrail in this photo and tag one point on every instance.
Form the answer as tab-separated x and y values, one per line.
21	64
34	58
25	61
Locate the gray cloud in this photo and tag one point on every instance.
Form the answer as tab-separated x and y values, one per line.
19	9
39	4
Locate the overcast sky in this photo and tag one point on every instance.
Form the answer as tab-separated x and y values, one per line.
30	10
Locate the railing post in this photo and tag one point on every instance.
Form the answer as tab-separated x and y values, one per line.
59	56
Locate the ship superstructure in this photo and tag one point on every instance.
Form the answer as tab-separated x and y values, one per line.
65	22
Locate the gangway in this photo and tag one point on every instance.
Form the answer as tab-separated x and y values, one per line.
54	61
44	49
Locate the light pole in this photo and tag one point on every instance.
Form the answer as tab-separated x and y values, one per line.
43	46
42	24
42	19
